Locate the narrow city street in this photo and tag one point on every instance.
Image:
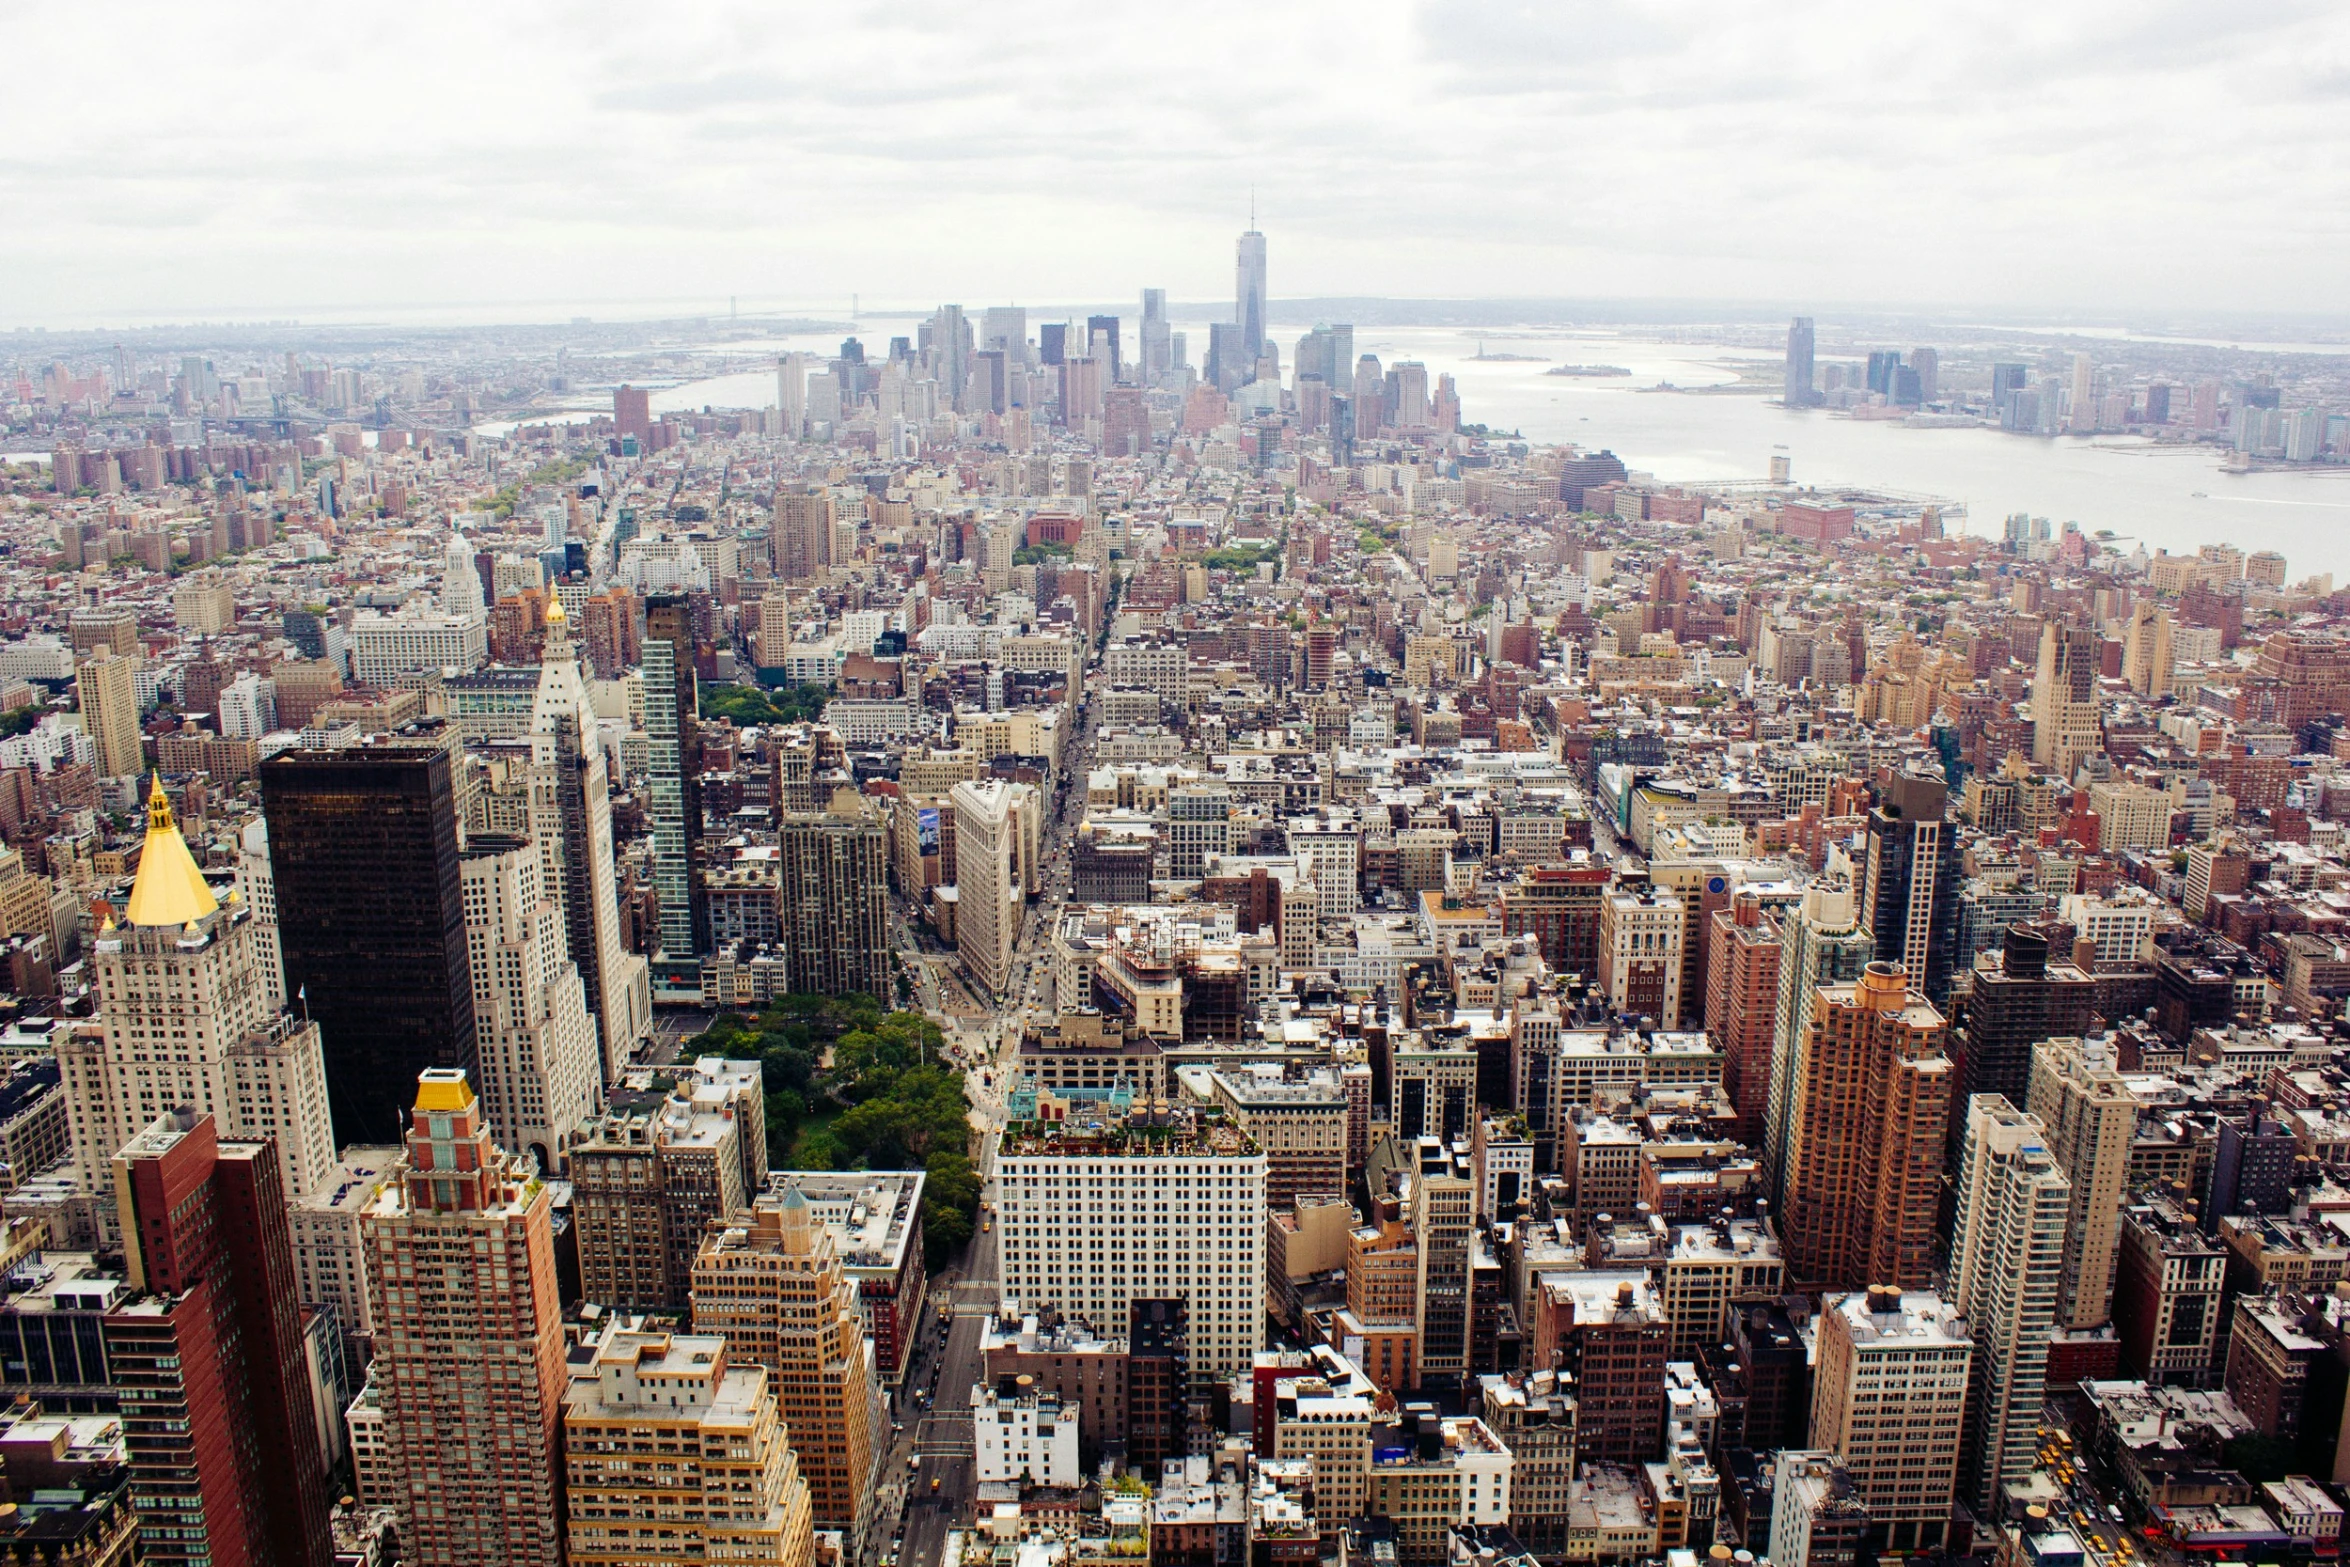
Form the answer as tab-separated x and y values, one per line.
927	1480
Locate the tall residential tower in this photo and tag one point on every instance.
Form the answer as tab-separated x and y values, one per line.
2007	1274
773	1285
469	1363
673	789
1864	1167
207	1355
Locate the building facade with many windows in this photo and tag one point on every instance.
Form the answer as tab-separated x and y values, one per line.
1099	1213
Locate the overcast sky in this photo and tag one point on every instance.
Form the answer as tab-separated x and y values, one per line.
265	159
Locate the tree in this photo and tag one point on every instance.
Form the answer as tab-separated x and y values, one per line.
950	1200
753	705
851	1087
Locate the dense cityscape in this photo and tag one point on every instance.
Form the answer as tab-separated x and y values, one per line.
1073	941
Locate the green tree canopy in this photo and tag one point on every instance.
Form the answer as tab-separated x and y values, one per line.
748	705
849	1087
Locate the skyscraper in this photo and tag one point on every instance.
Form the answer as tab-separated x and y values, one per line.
185	967
571	822
2007	1272
1799	392
1249	303
1101	341
1864	1168
992	821
1228	366
673	787
1003	329
833	898
227	1469
2091	1119
2006	381
772	1284
947	346
469	1367
1370	398
1327	354
2009	1005
106	691
791	394
2064	698
1081	389
1443	1208
461	590
1742	1005
371	919
1884	366
1156	349
542	1077
2083	410
1910	898
802	533
632	411
1928	365
1823	943
2147	659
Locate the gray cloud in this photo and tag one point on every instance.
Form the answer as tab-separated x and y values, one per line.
2093	153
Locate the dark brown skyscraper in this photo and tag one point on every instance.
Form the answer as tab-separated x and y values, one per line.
207	1352
371	921
1910	898
2008	1008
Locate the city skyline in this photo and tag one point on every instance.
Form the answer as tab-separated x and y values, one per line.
718	892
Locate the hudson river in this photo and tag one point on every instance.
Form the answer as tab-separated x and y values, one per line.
2166	497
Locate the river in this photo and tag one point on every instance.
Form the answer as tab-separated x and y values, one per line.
2167	497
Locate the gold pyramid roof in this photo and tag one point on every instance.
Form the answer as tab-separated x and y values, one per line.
169	889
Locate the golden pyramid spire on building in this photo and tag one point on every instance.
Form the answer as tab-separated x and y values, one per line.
169	889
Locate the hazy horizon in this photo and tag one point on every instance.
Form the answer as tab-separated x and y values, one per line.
2319	331
2110	160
